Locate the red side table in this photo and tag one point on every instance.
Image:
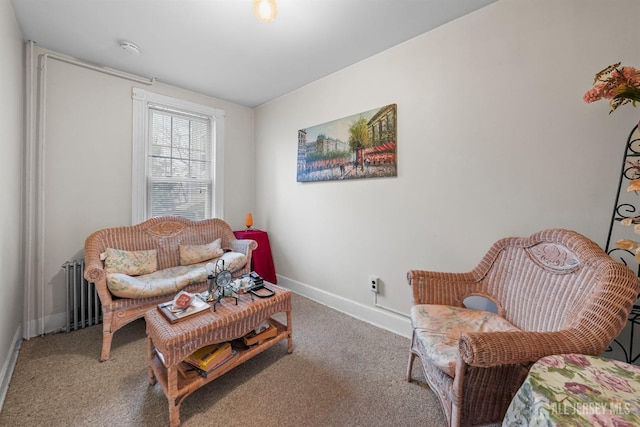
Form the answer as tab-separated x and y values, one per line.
261	259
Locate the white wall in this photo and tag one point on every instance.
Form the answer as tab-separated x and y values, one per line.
86	157
493	140
11	123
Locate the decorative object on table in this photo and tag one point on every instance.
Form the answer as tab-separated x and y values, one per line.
182	300
359	146
210	294
176	309
254	277
258	287
223	283
248	221
242	285
223	279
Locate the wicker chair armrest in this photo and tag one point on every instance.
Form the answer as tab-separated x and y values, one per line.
243	245
93	265
431	287
486	349
94	272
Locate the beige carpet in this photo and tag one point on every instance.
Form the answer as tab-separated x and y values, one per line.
342	372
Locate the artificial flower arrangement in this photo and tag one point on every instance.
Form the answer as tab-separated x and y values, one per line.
620	85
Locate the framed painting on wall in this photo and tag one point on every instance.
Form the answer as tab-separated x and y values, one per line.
359	146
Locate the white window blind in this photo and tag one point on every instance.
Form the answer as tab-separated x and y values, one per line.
179	178
176	158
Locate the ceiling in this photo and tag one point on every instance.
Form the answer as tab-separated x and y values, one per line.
219	48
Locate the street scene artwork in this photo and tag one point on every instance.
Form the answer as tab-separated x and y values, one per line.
359	146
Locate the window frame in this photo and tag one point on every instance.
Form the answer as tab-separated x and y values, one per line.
142	100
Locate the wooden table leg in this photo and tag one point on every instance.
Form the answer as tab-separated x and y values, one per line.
290	336
152	377
172	396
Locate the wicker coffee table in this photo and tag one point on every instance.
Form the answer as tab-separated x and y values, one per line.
176	341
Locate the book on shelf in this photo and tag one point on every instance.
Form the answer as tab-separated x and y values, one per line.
213	367
209	355
263	332
173	314
188	371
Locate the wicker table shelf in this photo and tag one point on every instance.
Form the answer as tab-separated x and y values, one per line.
229	321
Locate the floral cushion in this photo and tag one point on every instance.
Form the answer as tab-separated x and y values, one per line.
133	263
161	282
233	261
168	280
194	254
438	329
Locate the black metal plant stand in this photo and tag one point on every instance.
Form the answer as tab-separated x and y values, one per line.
627	207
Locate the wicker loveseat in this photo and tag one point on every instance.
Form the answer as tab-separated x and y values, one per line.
556	292
168	240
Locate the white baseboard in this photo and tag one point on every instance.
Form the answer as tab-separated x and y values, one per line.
53	323
377	316
9	365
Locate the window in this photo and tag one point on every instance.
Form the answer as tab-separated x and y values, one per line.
177	152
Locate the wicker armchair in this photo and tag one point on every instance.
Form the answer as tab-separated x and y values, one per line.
560	292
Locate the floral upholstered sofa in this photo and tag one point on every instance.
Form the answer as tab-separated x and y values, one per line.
137	267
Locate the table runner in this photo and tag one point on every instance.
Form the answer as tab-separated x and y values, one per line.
577	390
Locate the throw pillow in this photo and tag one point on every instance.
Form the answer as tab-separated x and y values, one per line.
234	261
193	254
133	263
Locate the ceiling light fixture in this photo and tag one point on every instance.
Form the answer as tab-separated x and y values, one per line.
130	48
265	10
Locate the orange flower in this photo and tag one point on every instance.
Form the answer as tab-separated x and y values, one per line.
626	244
621	85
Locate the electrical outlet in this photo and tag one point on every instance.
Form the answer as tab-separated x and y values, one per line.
374	284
